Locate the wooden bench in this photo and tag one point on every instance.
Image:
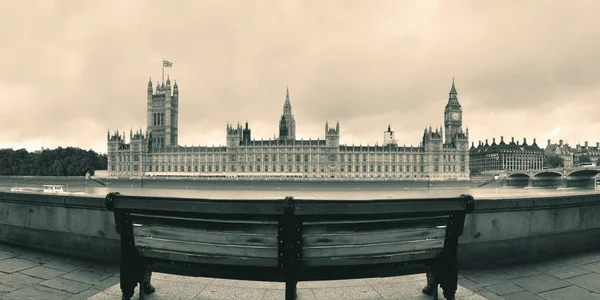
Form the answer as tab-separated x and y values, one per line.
287	240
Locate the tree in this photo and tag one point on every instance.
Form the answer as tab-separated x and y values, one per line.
475	172
58	162
555	161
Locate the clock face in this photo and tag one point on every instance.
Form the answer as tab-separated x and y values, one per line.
455	116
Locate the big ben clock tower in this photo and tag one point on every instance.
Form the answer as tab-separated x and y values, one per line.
452	117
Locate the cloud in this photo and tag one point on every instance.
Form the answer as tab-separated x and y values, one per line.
72	70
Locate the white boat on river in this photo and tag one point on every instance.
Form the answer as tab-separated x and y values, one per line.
46	189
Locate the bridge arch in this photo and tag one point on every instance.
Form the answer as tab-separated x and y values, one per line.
519	175
583	173
547	174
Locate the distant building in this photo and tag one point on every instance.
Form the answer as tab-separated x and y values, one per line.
441	155
505	157
593	153
561	150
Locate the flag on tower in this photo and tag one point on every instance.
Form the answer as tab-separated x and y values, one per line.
167	63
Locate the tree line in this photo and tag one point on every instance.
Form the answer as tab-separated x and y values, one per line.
68	161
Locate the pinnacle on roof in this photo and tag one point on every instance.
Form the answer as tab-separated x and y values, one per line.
150	82
453	89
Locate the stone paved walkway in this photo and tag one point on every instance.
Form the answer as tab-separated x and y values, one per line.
31	274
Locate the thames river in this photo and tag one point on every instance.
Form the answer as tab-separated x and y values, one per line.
280	189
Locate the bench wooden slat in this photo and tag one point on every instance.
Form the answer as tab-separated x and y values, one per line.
371	249
218	225
209	259
207	248
203	236
349	207
370	259
372	237
353	226
210	206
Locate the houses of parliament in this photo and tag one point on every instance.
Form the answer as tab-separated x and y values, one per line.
443	153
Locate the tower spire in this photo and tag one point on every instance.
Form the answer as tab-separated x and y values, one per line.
453	89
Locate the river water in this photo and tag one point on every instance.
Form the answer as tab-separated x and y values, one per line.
281	189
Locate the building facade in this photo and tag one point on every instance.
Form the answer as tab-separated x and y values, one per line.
442	154
561	150
591	152
503	156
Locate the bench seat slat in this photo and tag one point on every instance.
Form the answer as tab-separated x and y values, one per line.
371	249
209	259
203	236
238	226
370	259
354	226
372	237
207	248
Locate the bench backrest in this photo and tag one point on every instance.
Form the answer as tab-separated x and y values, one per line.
290	235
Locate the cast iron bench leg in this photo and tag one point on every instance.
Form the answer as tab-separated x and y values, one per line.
290	289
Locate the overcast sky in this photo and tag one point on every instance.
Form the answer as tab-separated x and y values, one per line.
72	70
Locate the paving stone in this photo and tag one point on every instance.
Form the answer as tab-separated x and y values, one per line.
5	255
71	286
5	289
11	265
218	292
540	283
414	277
37	292
581	259
250	284
524	295
331	283
347	293
106	296
469	285
470	297
485	278
400	290
303	294
107	283
594	267
504	288
18	280
516	272
86	276
588	281
42	272
571	292
87	294
170	277
65	265
489	295
562	271
38	257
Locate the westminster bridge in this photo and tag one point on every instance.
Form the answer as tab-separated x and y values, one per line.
582	177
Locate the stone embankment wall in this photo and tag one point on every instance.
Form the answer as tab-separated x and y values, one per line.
498	231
